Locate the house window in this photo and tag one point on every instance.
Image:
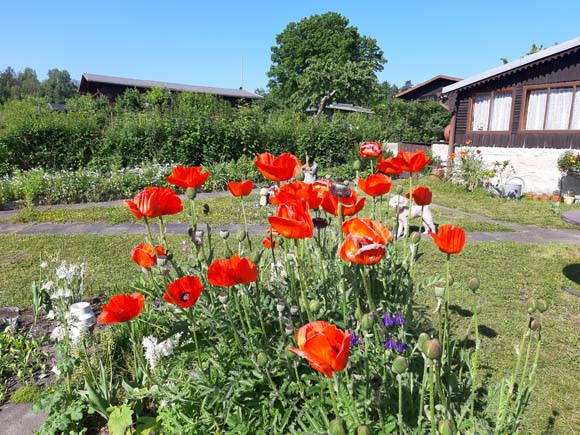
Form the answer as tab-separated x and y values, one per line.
492	112
553	108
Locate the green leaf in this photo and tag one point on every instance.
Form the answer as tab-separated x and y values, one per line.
120	419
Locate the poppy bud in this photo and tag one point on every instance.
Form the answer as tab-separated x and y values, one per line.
534	324
363	429
531	305
473	284
399	190
314	305
223	297
205	209
241	235
262	359
423	337
256	257
358	314
336	427
356	165
451	280
432	348
281	306
300	176
294	309
201	257
289	329
440	291
319	222
447	427
400	365
542	305
161	260
224	234
190	193
367	322
415	237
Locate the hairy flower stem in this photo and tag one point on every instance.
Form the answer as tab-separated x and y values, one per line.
234	329
475	357
446	340
302	282
374	208
342	285
422	394
246	224
333	397
239	311
259	311
432	399
410	204
367	287
149	234
400	410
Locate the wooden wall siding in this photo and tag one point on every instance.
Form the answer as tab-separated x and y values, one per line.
561	68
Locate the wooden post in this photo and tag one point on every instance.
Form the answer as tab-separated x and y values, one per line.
451	146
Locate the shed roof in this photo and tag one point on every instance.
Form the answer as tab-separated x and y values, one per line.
344	107
515	64
135	83
420	85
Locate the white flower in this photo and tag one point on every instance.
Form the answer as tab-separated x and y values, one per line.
44	265
57	334
55	370
62	270
50	315
155	350
47	285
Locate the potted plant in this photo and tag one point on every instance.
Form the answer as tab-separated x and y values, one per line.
569	163
569	197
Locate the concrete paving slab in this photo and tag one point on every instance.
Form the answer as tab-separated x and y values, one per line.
19	419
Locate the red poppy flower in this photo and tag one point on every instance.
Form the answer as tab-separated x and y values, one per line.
467	141
412	162
375	184
449	239
324	346
279	168
185	177
243	188
153	202
122	308
293	220
145	255
297	190
268	242
389	166
452	155
478	151
183	291
225	272
370	149
422	195
365	241
350	206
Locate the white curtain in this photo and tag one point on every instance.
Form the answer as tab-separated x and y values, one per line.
501	111
575	124
536	109
480	112
559	106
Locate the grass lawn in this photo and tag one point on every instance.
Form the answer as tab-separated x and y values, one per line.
508	272
522	211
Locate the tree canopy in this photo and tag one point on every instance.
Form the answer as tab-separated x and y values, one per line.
320	55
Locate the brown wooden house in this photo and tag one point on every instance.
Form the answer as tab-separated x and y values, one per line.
532	102
111	87
429	90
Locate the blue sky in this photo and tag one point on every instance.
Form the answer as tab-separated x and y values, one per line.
206	43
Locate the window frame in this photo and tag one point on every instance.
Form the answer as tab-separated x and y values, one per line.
575	85
491	94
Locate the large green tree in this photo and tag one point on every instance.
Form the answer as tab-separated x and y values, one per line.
58	86
322	56
8	82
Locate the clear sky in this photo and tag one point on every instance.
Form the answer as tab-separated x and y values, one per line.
207	42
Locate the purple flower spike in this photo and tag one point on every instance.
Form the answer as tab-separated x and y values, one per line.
401	347
156	303
391	343
353	339
399	319
388	320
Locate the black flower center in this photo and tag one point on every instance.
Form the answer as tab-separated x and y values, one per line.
184	297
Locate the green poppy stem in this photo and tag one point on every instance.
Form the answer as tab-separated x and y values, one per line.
367	286
333	398
246	224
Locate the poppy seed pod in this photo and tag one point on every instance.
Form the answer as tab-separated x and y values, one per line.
294	309
289	329
356	165
314	305
432	348
205	209
367	322
241	235
451	280
423	337
281	306
262	359
190	193
542	305
415	237
224	234
447	427
473	284
161	260
336	427
534	324
400	365
340	190
440	291
363	429
531	305
223	297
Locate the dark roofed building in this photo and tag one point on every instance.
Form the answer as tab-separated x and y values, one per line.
111	87
429	90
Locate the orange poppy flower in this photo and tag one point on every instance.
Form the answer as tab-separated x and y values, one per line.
153	202
370	149
122	308
462	153
324	346
185	177
268	242
468	142
243	188
422	195
145	255
297	190
183	291
452	155
350	206
225	272
279	168
389	166
412	162
449	239
293	220
365	241
375	184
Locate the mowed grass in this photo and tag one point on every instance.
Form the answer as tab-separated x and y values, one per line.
508	272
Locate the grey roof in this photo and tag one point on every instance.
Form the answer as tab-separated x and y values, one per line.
343	106
522	61
226	92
